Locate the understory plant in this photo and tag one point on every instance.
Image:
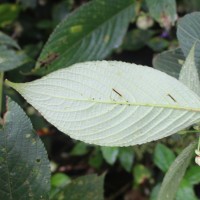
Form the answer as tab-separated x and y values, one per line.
112	104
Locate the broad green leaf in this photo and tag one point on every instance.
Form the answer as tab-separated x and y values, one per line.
96	158
6	40
189	74
170	62
163	11
89	33
163	157
175	173
193	175
185	191
10	59
154	192
84	188
141	173
24	165
110	154
126	157
113	103
188	33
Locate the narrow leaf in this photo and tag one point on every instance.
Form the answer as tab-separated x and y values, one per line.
24	166
175	173
84	188
10	59
170	62
189	74
113	103
89	33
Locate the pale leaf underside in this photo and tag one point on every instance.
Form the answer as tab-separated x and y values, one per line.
113	103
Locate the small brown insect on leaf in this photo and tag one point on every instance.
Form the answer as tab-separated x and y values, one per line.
171	97
116	92
49	59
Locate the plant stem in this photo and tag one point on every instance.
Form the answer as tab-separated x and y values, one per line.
1	91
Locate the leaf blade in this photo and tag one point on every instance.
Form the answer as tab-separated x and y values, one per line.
107	103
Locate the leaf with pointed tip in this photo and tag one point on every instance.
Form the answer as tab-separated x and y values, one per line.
10	59
6	40
188	32
170	62
24	165
175	173
189	74
113	103
89	33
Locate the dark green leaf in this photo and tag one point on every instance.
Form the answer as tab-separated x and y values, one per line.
126	157
170	62
96	159
141	173
8	13
89	33
10	59
193	175
24	165
136	39
175	173
188	33
6	40
84	188
158	44
163	11
163	157
110	154
29	3
185	191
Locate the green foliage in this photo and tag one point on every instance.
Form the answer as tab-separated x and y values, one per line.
163	157
24	166
110	154
84	188
90	33
175	173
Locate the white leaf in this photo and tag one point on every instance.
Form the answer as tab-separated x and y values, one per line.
113	103
189	74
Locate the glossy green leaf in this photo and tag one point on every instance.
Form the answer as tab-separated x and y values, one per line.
10	59
113	103
193	175
188	33
84	188
163	157
189	74
6	40
110	154
24	165
185	191
126	157
89	33
141	173
175	173
170	62
163	11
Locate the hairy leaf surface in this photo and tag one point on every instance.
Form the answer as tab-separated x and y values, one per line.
113	103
